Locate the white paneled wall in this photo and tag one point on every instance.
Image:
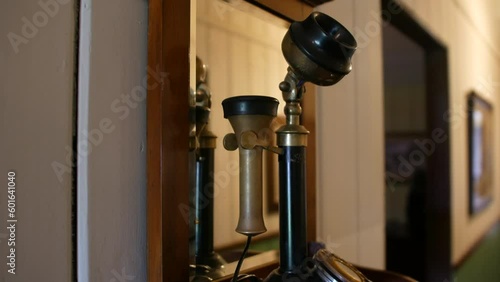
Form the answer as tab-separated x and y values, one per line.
350	144
243	54
112	176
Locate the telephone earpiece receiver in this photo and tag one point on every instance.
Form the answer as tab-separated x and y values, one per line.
319	49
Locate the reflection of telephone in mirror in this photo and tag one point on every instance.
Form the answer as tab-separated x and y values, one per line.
317	50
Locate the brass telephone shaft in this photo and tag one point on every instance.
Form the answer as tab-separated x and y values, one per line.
250	118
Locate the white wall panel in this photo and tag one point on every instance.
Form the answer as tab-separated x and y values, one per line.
36	102
113	85
337	148
370	141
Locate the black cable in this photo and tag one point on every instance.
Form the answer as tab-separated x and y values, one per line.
240	262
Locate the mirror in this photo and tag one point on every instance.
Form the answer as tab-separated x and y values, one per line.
239	47
169	207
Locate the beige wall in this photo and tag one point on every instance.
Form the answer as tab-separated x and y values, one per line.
112	175
36	99
468	30
36	105
351	199
350	145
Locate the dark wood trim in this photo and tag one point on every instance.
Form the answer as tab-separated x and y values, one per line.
167	134
290	10
416	134
406	22
315	3
438	194
438	191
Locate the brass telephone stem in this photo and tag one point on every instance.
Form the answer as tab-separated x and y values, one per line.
250	118
292	133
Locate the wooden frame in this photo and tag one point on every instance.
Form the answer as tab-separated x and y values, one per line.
480	186
167	135
167	141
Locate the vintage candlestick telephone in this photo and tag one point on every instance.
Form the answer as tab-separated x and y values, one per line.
318	50
207	263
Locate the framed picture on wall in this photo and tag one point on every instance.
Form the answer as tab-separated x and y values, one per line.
481	138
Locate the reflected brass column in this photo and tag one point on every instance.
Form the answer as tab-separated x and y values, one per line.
207	263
